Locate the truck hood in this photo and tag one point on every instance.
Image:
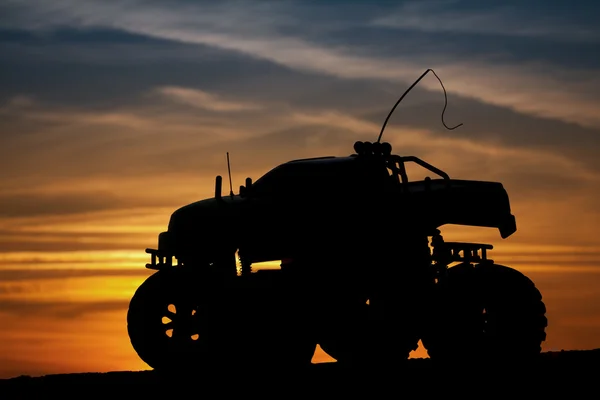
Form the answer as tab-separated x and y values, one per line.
211	213
466	202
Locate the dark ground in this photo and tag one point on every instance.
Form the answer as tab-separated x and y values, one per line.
572	374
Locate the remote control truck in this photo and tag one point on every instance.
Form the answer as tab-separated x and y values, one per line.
363	270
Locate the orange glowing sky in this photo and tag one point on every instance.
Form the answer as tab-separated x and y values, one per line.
115	113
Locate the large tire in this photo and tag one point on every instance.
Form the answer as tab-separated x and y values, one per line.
487	312
163	322
244	322
365	338
271	323
384	331
374	328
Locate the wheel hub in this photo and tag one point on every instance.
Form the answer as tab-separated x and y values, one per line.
181	322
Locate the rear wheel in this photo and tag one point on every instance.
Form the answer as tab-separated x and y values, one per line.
486	312
373	324
364	337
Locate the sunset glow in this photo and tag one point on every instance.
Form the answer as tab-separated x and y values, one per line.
115	113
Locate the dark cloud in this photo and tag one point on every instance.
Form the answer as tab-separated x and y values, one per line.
537	184
132	154
493	125
45	274
77	67
22	240
58	309
105	69
8	246
37	205
100	68
105	66
49	243
263	152
12	290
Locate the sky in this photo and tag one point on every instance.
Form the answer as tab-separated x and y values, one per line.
115	113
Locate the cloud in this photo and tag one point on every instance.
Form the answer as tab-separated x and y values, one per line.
201	99
483	77
40	204
491	126
142	156
7	275
137	143
61	309
83	220
19	241
111	229
306	95
70	144
42	222
504	20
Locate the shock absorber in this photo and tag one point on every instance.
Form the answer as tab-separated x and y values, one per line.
440	255
439	251
245	266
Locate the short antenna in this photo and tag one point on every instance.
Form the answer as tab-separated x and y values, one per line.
229	171
408	90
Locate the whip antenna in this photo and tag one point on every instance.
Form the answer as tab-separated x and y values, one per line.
408	90
229	171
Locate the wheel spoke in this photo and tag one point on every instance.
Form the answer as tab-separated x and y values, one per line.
182	321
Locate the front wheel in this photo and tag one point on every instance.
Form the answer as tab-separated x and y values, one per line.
164	322
488	312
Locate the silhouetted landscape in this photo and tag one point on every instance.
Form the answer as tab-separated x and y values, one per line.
569	372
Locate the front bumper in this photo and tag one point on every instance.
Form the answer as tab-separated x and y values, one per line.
508	226
159	259
163	256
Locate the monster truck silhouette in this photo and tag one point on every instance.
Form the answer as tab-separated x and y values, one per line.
364	271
